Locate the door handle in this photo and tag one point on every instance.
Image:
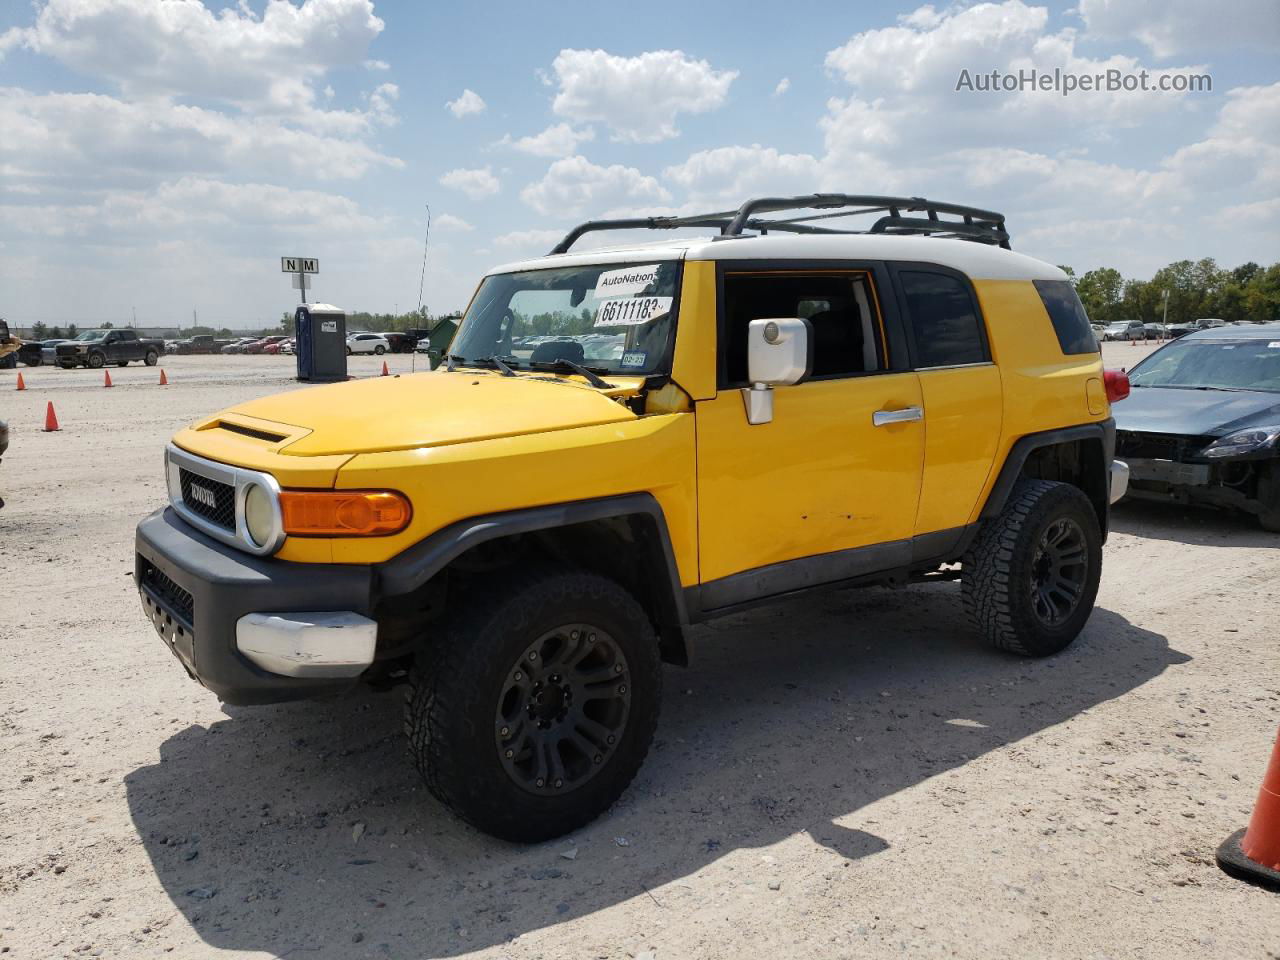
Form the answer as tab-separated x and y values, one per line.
882	418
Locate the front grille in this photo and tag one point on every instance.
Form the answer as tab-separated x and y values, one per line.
178	600
1160	446
211	499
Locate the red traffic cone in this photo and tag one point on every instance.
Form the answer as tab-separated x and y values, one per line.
164	381
21	384
106	378
385	371
1253	855
50	419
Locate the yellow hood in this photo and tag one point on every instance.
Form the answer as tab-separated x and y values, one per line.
426	410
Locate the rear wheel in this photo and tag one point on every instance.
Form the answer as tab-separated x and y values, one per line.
379	349
1031	577
533	712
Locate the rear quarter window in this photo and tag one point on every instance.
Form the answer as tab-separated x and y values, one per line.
1066	312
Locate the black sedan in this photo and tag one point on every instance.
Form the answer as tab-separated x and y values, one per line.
1203	421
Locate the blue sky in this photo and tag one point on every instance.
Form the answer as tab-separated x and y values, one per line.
162	156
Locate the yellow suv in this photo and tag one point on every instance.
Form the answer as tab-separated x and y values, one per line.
623	442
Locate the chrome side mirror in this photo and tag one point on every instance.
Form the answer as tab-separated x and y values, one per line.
779	354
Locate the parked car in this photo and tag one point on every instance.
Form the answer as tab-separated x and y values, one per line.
274	346
96	348
1182	329
201	343
1202	423
260	345
398	342
237	346
9	346
288	346
31	353
528	540
367	343
1125	330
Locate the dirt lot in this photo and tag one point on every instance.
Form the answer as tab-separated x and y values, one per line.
844	776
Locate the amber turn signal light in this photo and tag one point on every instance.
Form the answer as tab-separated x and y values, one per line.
343	513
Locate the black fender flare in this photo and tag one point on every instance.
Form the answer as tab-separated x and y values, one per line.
1104	432
412	568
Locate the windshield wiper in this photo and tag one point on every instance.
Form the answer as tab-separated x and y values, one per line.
572	366
492	361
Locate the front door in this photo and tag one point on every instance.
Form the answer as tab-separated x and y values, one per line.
829	489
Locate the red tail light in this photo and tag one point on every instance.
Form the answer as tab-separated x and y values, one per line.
1116	383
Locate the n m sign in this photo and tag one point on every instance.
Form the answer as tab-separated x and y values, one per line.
299	265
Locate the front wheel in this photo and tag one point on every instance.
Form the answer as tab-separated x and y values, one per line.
1031	576
532	713
348	351
96	360
151	359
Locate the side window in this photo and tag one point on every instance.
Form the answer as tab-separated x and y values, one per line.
840	308
1070	322
944	319
127	335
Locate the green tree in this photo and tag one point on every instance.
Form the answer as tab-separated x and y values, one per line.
39	331
1102	293
71	331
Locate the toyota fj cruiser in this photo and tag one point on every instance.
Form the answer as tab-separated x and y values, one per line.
625	442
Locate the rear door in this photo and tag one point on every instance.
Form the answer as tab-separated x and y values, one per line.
829	488
962	397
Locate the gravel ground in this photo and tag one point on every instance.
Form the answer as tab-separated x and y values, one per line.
847	775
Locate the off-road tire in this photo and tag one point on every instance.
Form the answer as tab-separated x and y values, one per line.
998	570
459	678
151	358
97	360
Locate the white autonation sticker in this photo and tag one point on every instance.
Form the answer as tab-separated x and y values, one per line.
1274	345
630	311
636	358
625	282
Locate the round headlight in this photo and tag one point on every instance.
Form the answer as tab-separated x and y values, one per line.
259	515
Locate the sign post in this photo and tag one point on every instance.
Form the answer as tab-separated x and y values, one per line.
300	267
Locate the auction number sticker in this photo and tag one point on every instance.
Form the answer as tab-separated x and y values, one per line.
631	311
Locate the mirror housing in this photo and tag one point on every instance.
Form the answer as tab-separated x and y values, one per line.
779	353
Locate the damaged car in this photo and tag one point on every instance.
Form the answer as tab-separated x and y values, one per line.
1202	422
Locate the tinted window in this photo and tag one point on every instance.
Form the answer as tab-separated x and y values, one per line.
846	338
1070	322
943	319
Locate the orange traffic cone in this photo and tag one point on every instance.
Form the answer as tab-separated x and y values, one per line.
1253	855
50	419
21	384
385	371
164	381
106	378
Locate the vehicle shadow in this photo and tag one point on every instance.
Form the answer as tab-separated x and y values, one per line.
1200	526
302	830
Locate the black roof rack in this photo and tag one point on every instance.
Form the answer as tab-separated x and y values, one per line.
967	223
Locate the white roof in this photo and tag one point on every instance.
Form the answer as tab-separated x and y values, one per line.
979	261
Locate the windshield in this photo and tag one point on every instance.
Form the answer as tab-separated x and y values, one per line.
612	317
1212	365
92	335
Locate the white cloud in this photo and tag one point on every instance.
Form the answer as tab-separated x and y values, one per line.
182	48
559	140
540	240
84	140
1171	27
574	184
468	102
726	176
783	86
638	98
474	183
451	224
376	65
